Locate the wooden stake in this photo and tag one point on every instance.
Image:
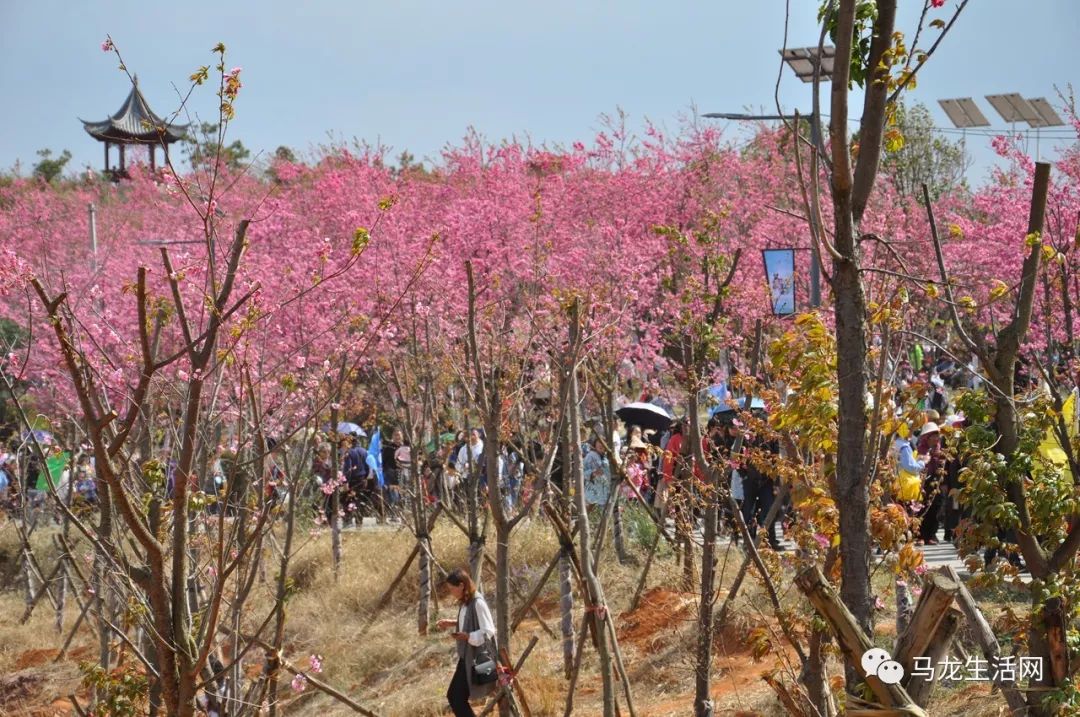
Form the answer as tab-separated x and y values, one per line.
920	688
987	641
934	603
852	640
505	690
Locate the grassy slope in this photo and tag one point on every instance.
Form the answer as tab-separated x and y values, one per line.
385	665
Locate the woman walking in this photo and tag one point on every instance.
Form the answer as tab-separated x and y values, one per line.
474	632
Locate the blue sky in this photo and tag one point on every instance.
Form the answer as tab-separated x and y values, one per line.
416	74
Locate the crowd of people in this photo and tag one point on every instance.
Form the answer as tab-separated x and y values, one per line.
656	467
27	482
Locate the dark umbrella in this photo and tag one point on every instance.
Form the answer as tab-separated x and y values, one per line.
646	415
756	404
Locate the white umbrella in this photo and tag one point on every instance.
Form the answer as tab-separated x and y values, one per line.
351	429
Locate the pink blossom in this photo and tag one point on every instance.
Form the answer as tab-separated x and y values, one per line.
822	540
299	683
315	661
107	45
1000	143
937	3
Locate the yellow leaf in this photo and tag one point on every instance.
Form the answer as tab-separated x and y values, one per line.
894	140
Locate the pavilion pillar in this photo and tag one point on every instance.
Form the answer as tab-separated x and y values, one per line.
106	156
122	165
152	168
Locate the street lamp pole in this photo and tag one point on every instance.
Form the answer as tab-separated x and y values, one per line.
810	64
815	140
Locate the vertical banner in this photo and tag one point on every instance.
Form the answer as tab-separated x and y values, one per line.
780	276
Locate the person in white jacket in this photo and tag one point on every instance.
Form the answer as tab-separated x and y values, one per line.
475	637
471	456
475	447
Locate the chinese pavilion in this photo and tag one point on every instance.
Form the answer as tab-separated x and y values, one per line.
134	123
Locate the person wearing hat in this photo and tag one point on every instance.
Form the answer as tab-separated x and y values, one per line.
933	483
637	465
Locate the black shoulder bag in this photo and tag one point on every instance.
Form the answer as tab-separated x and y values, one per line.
484	668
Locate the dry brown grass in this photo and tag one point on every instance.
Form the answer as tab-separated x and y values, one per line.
383	663
393	670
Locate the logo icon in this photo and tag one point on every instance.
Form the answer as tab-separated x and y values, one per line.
880	664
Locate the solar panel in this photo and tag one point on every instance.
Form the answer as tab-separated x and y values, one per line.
1047	115
802	61
1014	108
964	113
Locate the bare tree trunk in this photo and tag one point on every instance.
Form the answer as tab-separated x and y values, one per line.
850	191
703	704
1066	304
29	575
904	606
274	666
689	576
98	584
423	608
61	599
566	587
592	584
566	609
617	531
815	676
335	496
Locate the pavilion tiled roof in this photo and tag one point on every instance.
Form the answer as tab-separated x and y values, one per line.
135	122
